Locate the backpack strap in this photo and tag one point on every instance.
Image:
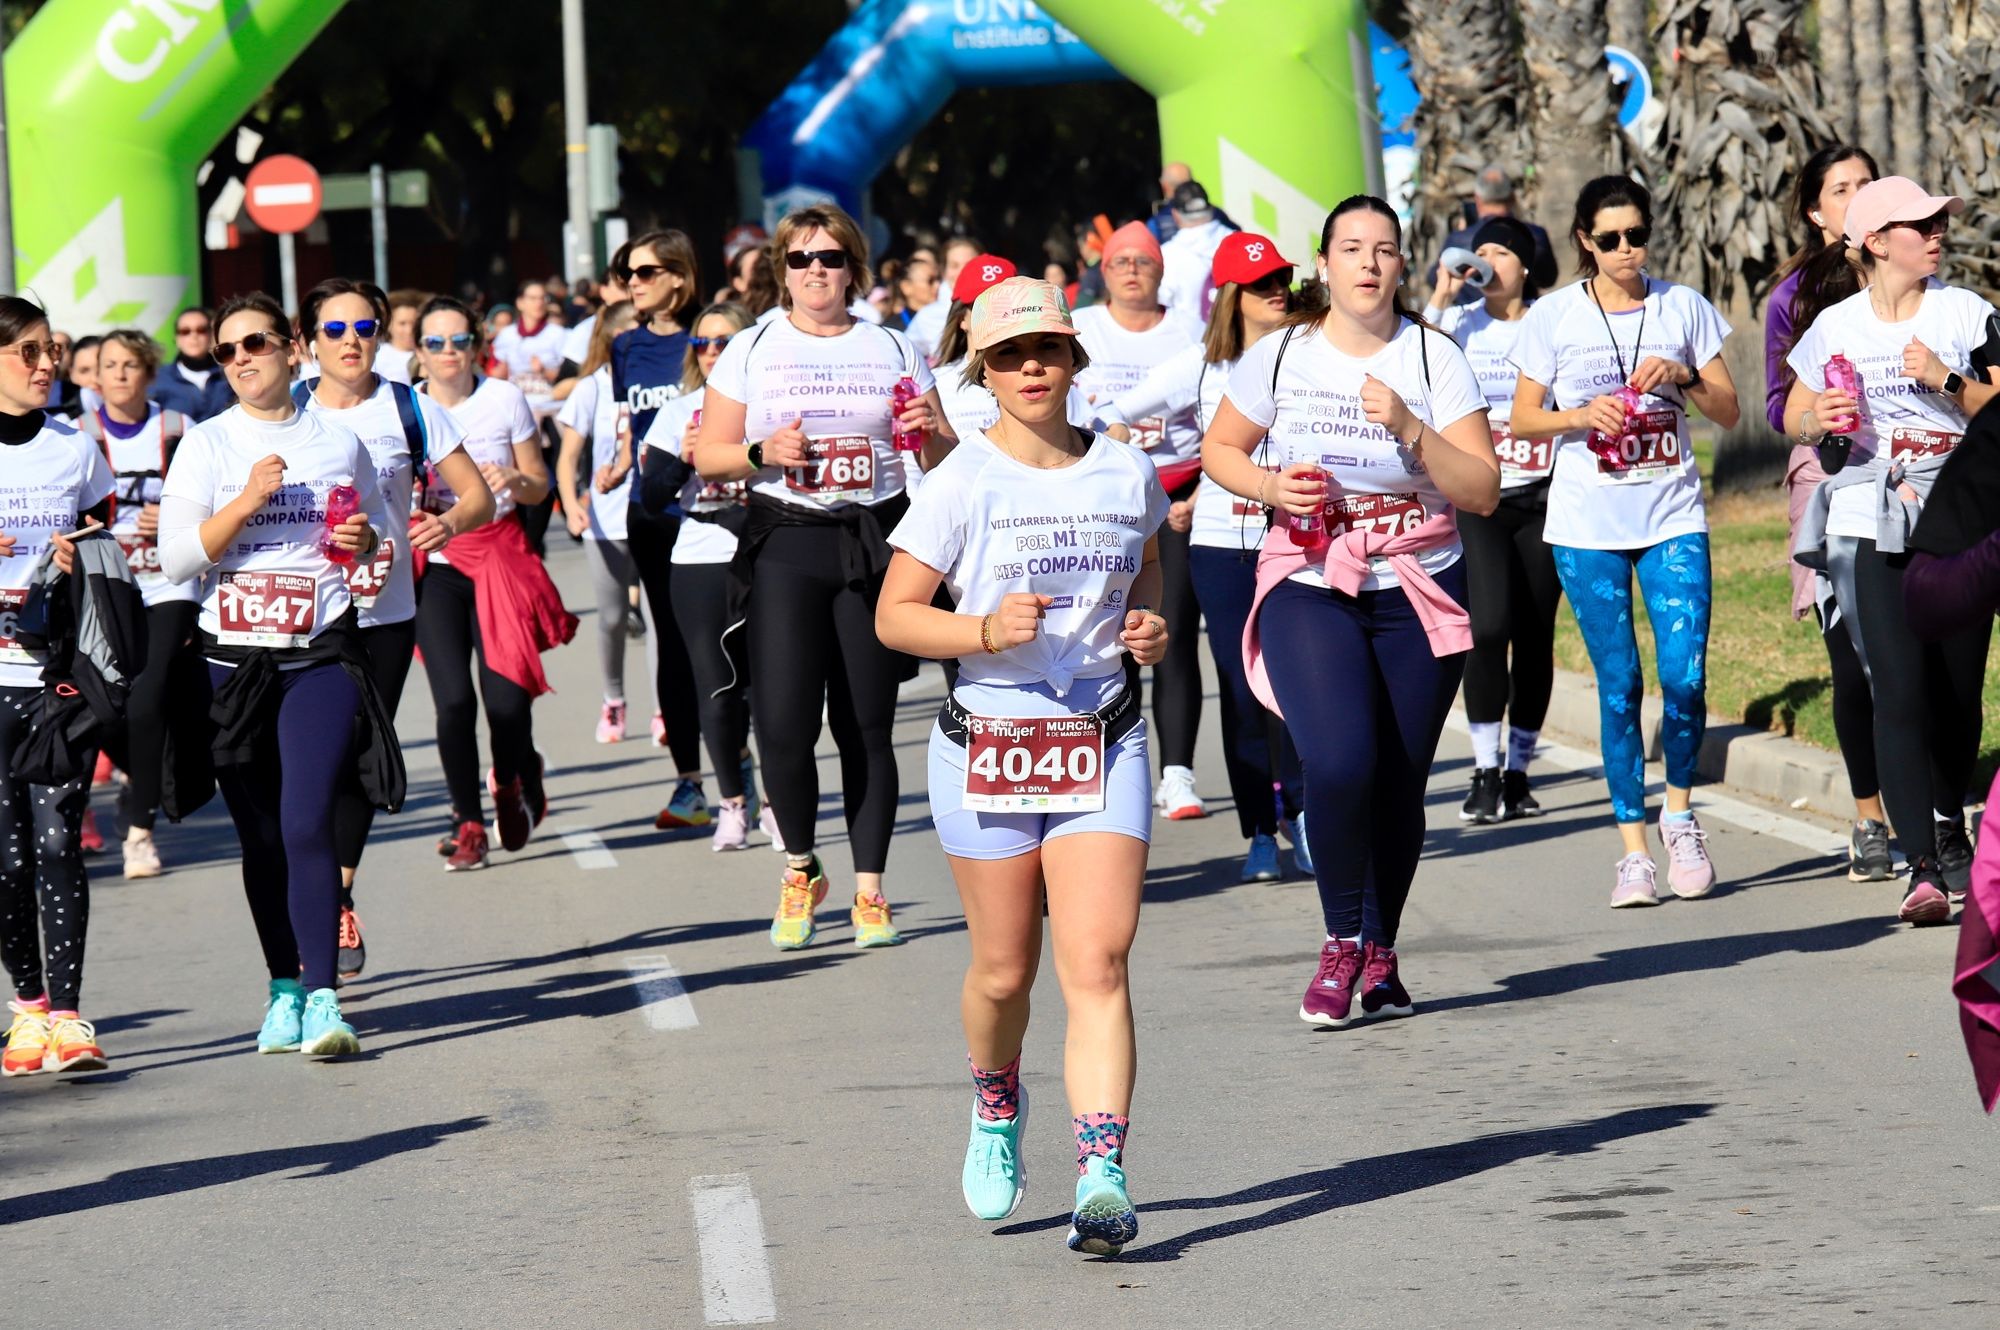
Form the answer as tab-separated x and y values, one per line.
302	394
416	432
173	428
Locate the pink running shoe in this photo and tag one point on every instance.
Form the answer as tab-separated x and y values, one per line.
1635	882
1690	874
732	828
1329	999
767	822
611	723
1927	901
659	730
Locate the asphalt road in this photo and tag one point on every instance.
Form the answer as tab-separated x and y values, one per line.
593	1095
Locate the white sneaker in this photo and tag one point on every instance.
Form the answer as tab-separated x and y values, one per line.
1176	797
142	857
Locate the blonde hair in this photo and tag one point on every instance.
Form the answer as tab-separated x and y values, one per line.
836	223
691	375
611	321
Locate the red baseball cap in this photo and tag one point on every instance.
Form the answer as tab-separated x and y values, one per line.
1245	256
979	273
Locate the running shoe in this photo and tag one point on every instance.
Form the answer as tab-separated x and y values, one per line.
659	730
142	856
352	957
322	1033
468	850
732	828
1482	802
1868	853
1261	864
535	788
512	822
799	894
105	770
1104	1220
1329	999
688	807
767	822
1382	993
873	924
1636	874
27	1041
448	843
73	1045
1690	872
995	1176
1176	797
284	1013
611	723
1927	901
1515	799
1295	832
89	839
1954	854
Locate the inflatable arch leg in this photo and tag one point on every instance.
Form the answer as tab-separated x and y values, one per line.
116	104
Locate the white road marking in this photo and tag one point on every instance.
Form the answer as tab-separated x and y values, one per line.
587	848
735	1273
663	998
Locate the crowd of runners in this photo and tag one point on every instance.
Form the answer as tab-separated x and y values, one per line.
796	491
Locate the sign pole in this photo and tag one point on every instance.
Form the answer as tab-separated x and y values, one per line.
580	260
378	207
288	271
6	188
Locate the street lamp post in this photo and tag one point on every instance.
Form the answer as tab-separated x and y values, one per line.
582	260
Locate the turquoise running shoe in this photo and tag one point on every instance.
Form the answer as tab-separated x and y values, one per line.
1104	1220
282	1017
323	1033
996	1173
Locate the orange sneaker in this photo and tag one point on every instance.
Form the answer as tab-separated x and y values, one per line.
27	1041
73	1044
799	895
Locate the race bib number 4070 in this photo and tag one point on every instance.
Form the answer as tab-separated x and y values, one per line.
265	609
840	468
1034	764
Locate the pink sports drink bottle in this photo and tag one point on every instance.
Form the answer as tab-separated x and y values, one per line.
1309	532
1841	376
1629	398
342	502
900	397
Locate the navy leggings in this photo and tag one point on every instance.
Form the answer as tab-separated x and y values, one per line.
390	648
1225	582
1365	699
282	804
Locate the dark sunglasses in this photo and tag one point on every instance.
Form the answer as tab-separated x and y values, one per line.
365	329
256	344
647	272
198	330
457	341
31	353
1271	283
800	259
1635	236
1933	225
703	343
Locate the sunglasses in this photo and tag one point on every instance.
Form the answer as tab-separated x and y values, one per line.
198	330
1271	283
647	272
704	343
800	259
457	341
256	344
1131	263
365	329
31	353
1635	236
1933	225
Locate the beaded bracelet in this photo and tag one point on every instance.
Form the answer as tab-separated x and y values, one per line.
986	637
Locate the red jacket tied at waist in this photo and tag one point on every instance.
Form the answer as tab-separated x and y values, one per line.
521	613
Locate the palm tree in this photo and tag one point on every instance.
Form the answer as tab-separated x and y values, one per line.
1571	121
1964	81
1908	127
1836	64
1466	62
1625	23
1870	75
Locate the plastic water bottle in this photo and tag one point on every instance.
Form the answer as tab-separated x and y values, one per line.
1629	398
1309	532
1841	376
900	397
342	502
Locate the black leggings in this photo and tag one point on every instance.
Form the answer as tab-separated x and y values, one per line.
812	639
390	647
41	868
1177	678
1853	707
1512	593
651	540
448	635
168	685
1927	704
701	604
1226	580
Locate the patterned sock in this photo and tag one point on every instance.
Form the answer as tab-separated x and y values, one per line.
999	1091
1099	1134
1521	748
1485	744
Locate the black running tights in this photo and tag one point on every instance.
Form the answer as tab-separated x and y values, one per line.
651	541
390	648
170	686
448	635
701	604
44	895
1512	593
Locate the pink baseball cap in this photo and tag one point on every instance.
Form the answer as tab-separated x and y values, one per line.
1894	198
1016	306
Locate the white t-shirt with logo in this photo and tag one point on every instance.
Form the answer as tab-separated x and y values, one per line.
1489	345
1897	413
212	467
1120	361
840	388
1315	415
592	411
1651	490
140	465
45	485
492	420
519	352
856	308
699	541
994	526
385	589
1187	286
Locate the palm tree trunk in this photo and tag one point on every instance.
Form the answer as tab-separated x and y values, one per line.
1466	62
1870	88
1965	87
1571	121
1836	64
1908	129
1625	21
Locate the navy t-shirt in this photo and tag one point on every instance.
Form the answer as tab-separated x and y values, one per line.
646	369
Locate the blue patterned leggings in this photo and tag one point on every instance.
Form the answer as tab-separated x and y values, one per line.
1674	578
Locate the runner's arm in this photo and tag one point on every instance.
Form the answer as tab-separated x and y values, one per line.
906	620
1225	459
474	506
1714	391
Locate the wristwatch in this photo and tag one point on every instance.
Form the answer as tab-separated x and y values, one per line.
756	453
1954	384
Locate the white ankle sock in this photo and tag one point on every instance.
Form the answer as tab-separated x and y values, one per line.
1485	744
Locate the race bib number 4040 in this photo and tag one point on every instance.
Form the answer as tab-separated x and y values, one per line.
265	609
840	468
1034	764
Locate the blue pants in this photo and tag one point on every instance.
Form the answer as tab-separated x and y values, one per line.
1225	582
1674	578
1365	700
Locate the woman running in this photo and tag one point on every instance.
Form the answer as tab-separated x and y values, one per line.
409	437
1625	499
56	482
1510	574
1887	419
1253	296
1356	637
247	509
1819	275
813	552
1041	718
487	598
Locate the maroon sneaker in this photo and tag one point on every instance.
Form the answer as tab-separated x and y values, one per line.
513	823
1382	991
1329	1000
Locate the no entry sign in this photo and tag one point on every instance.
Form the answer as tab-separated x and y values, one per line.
282	194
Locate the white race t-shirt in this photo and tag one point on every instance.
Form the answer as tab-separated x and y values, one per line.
393	364
140	465
45	484
1187	285
926	328
1187	380
1120	361
1653	489
212	467
839	386
519	352
492	421
699	541
384	589
1897	413
857	307
994	526
1489	346
1315	415
576	341
592	411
